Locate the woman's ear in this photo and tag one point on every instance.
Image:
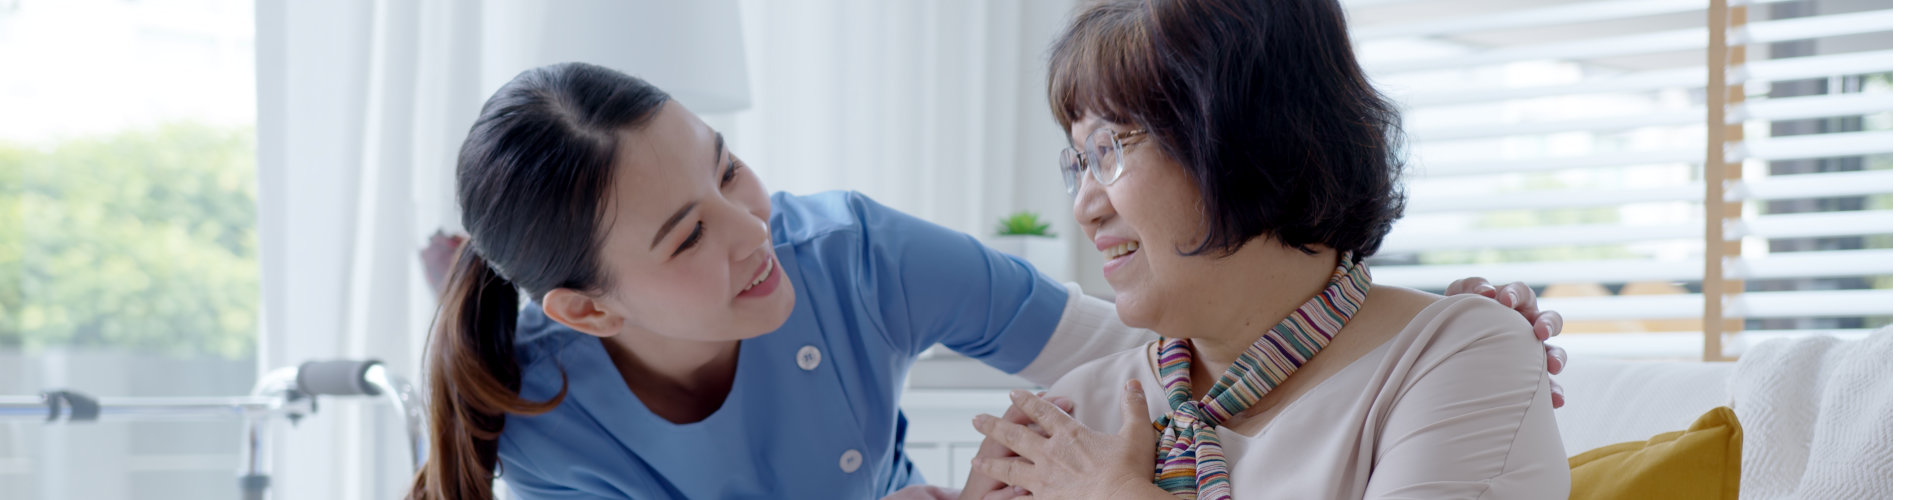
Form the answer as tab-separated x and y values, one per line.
581	312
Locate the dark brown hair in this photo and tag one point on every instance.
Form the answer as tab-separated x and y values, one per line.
1261	102
533	177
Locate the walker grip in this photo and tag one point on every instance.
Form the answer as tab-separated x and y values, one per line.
346	377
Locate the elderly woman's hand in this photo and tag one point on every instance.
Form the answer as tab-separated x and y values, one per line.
1065	459
1546	324
924	492
981	487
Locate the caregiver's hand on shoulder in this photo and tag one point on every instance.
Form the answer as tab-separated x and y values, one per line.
1546	324
1065	459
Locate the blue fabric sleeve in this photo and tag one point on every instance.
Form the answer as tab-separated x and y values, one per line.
527	485
926	284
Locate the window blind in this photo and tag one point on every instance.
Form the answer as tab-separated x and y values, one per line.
1565	144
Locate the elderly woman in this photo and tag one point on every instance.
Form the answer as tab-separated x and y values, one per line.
1237	169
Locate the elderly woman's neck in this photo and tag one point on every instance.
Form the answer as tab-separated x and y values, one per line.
1263	288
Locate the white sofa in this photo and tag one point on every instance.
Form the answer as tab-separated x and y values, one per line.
1611	401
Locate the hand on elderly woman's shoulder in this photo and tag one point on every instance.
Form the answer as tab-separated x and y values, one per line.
1546	324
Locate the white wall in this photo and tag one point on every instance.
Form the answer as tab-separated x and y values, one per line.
935	108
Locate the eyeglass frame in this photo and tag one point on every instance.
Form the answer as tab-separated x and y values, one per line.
1080	160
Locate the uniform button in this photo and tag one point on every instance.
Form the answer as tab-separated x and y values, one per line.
850	461
809	358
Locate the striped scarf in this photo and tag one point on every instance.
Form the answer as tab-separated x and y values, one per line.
1191	464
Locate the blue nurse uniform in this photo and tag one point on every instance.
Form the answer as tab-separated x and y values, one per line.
814	411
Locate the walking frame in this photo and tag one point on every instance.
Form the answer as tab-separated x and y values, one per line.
287	393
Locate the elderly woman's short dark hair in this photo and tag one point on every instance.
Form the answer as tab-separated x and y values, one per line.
1261	101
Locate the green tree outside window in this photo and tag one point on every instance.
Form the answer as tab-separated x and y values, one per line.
139	240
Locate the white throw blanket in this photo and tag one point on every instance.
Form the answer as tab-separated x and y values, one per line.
1818	417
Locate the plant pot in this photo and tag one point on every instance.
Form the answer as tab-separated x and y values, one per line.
1049	255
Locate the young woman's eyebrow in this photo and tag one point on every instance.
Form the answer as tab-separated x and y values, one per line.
671	222
719	147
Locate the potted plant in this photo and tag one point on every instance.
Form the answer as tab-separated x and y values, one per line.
1024	235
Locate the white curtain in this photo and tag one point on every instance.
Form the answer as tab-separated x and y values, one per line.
936	108
362	107
933	107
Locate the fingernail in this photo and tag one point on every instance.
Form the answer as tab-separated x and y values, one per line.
1483	287
980	420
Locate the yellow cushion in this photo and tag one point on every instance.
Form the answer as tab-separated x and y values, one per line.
1702	462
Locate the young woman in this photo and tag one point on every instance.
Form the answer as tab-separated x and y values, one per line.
689	336
1238	169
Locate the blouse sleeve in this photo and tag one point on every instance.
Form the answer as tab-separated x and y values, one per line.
1089	329
1475	423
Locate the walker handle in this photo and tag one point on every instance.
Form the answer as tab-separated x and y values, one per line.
346	377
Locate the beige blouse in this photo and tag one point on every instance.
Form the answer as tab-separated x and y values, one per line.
1456	405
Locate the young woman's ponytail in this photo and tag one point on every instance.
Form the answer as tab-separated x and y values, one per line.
474	382
533	178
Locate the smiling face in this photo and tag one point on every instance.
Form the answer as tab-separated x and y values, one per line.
1263	159
687	252
1147	222
1142	223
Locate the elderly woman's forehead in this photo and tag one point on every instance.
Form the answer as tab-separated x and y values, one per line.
1091	122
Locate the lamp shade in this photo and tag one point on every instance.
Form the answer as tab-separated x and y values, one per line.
692	49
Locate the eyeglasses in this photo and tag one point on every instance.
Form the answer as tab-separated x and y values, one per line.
1102	153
